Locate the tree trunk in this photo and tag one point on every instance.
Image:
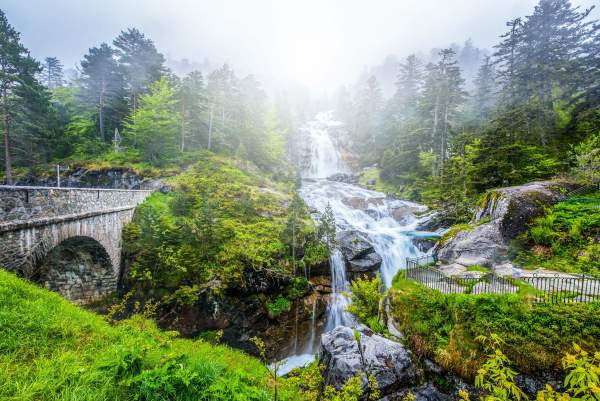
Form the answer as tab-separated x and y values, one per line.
444	139
435	120
210	124
7	157
101	113
182	125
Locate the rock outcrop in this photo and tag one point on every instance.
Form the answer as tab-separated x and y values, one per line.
359	254
503	215
425	392
345	352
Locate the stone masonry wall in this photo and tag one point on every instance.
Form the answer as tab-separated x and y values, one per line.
34	220
27	203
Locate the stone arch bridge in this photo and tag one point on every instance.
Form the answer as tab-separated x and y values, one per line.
36	221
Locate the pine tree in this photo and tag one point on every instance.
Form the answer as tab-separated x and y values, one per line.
102	85
368	108
53	73
141	62
17	81
485	90
442	96
192	106
408	87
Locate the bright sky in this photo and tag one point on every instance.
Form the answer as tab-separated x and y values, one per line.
317	43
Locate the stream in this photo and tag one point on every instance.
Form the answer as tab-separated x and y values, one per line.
387	223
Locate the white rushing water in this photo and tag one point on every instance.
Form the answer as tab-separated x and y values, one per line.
387	223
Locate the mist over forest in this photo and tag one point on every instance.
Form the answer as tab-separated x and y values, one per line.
319	200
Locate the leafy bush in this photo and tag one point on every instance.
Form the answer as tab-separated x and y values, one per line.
279	306
587	159
365	300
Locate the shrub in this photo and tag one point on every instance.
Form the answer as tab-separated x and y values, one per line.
365	300
279	306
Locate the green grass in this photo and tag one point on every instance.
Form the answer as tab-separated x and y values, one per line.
372	173
52	350
444	327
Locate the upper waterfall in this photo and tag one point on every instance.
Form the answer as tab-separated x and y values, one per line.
325	159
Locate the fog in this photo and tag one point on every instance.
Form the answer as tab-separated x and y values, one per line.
316	43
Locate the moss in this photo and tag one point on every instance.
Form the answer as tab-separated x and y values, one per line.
454	230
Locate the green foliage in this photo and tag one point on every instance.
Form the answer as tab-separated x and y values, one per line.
310	381
209	228
365	301
565	237
587	159
495	376
582	382
279	306
53	350
445	326
154	126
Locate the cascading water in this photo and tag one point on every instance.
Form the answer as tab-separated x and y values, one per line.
388	224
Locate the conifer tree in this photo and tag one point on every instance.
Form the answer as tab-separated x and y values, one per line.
485	90
17	81
141	63
102	85
53	73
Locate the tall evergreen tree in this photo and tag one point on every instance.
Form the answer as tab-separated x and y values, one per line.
369	105
484	95
142	64
53	73
442	95
408	87
154	127
103	87
17	81
192	105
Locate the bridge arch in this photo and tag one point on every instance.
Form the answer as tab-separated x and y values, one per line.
79	268
34	221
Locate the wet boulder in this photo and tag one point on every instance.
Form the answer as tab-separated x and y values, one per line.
343	177
425	392
368	263
353	245
359	254
346	351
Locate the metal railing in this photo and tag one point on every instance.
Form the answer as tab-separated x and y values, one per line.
540	288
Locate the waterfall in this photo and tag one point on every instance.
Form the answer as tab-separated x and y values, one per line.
388	224
325	158
310	345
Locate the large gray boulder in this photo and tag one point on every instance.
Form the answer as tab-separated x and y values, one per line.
353	245
387	361
503	214
425	392
368	263
359	255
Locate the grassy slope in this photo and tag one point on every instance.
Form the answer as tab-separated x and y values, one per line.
444	327
565	239
53	350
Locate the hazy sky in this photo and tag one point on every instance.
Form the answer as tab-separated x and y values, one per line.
319	43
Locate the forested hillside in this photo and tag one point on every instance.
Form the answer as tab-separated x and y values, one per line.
530	112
